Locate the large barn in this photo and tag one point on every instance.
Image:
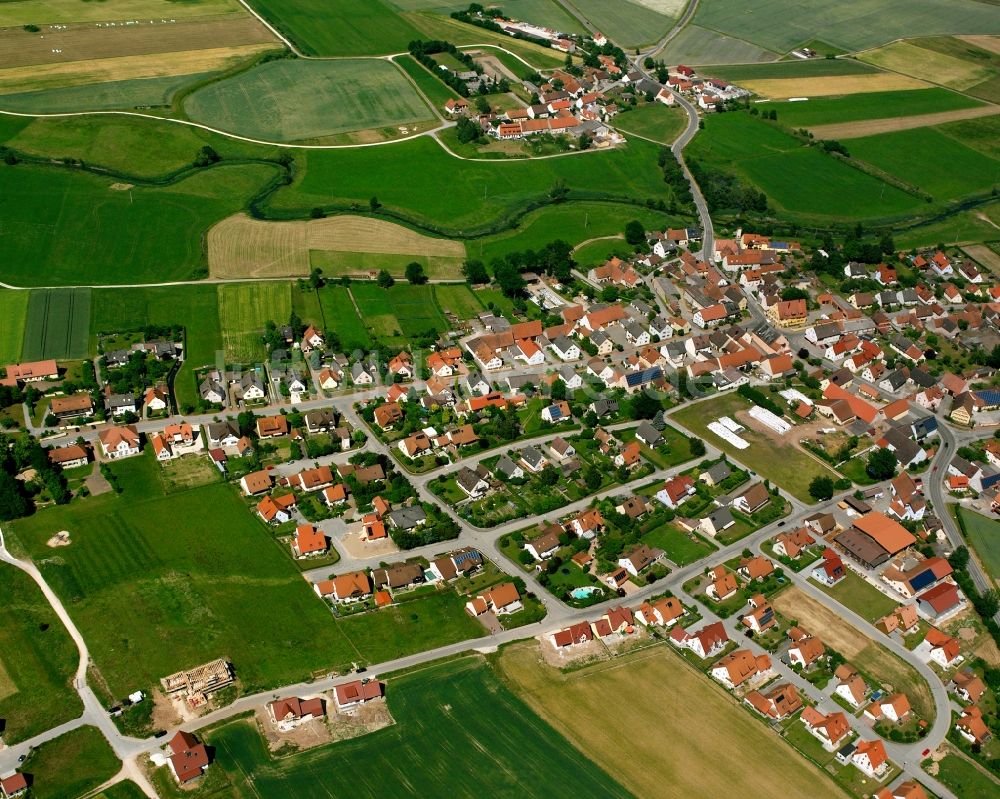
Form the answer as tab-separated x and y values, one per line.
873	539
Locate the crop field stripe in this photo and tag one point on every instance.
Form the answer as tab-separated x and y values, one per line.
13	318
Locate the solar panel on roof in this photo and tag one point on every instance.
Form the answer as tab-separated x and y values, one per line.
922	580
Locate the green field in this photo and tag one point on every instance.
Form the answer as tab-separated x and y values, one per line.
38	661
814	68
436	91
653	121
697	45
344	262
925	157
13	314
398	313
122	790
784	465
624	22
244	309
58	325
347	27
458	300
540	12
89	229
982	134
118	94
44	12
984	536
857	595
459	732
298	100
678	545
874	105
965	778
72	765
798	179
982	224
340	316
781	25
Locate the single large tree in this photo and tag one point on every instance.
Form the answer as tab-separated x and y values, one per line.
882	464
415	273
821	488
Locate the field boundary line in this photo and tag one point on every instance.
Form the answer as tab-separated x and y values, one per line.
280	36
842	130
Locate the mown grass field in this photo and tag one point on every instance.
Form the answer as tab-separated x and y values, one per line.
37	661
340	316
244	309
457	299
861	651
349	27
795	68
940	165
41	12
400	312
300	100
695	721
783	464
90	229
698	45
433	89
57	325
71	765
653	121
876	105
13	313
984	536
851	25
459	732
799	180
964	777
625	22
119	94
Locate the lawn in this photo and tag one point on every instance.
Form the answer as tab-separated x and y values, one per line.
784	465
409	177
398	313
680	547
57	325
116	94
851	25
122	790
340	316
72	765
925	157
244	309
698	45
458	300
298	100
697	719
984	535
348	27
857	595
459	732
13	315
800	179
653	121
627	23
873	105
87	229
965	778
37	661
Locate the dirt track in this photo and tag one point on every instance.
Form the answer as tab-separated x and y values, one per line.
870	127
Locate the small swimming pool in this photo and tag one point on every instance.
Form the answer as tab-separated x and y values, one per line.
585	592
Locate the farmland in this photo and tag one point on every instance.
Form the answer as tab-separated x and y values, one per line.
433	89
852	25
434	26
37	663
814	68
982	533
340	316
243	247
244	309
90	229
443	713
58	324
458	300
351	27
122	94
875	105
13	313
400	313
478	192
859	650
297	100
628	22
783	464
798	179
653	121
697	45
45	12
72	765
829	85
693	714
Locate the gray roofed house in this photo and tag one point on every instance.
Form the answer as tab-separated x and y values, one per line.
117	357
641	307
212	390
717	521
598	337
604	407
475	383
907	450
471	482
251	382
508	468
648	435
909	297
533	458
517	382
922	378
885	298
161	349
895	380
826	330
855	271
407	517
923	427
359	373
119	404
226	433
398	575
717	473
319	421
